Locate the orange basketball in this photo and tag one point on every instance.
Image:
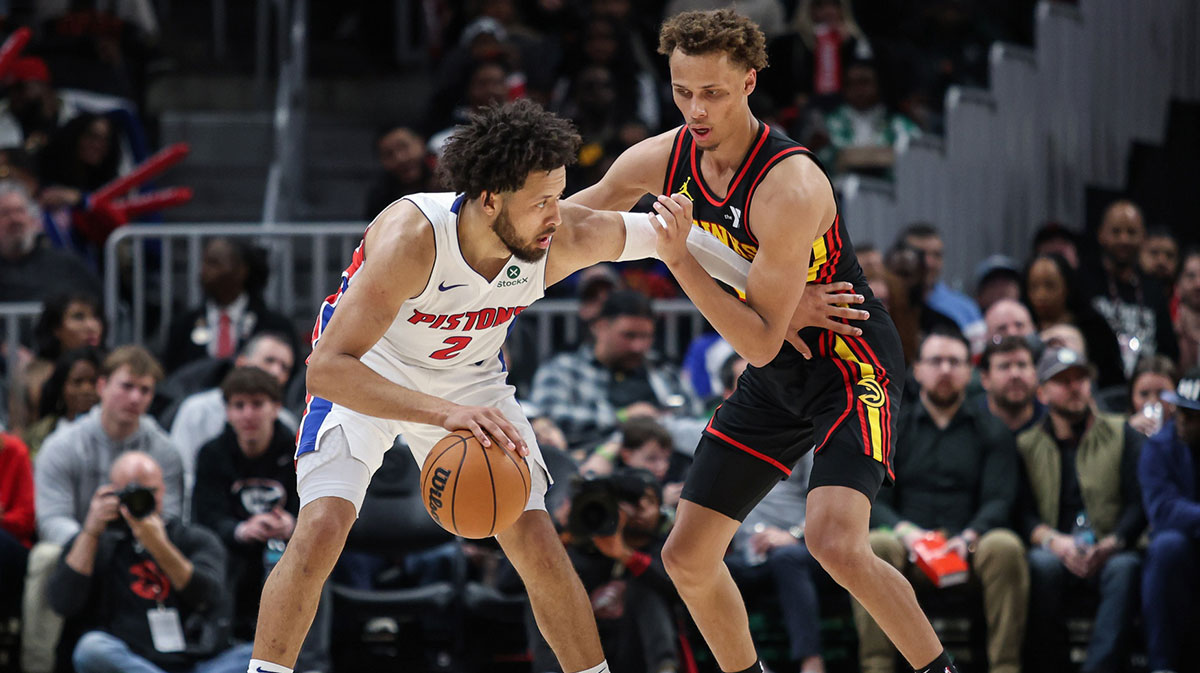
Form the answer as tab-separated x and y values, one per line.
471	490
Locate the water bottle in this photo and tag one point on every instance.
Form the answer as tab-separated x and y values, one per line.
1154	412
272	552
752	558
1083	534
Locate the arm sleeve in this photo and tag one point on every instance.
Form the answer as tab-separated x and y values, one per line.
717	258
211	507
1167	507
68	591
207	555
1132	521
54	491
998	484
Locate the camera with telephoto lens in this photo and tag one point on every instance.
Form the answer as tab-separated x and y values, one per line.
596	501
138	499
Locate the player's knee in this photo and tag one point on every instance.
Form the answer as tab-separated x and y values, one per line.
321	532
839	554
685	565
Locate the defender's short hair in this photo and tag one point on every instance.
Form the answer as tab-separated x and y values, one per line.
502	144
718	30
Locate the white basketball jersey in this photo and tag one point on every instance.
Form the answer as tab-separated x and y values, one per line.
460	318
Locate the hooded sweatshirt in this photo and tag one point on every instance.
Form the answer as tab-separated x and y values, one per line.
75	461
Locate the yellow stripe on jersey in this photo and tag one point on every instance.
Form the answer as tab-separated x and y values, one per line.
874	413
820	254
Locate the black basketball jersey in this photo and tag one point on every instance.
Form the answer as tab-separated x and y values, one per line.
730	218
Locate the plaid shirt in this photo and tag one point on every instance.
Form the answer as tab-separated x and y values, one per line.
571	389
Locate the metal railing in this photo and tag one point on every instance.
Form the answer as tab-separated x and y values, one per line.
18	319
160	267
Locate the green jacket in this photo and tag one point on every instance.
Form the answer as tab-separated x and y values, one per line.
1103	460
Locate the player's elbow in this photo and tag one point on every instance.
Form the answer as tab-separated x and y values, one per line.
317	378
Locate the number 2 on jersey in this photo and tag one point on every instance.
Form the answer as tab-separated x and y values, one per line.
455	343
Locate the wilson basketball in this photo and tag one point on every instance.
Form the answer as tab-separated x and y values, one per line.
471	490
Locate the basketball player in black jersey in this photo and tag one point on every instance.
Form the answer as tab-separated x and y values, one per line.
831	391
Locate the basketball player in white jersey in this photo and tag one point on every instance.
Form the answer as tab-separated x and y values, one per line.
410	345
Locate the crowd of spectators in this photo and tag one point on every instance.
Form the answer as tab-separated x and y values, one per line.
1050	431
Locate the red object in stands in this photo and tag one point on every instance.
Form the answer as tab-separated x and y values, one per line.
942	566
155	164
12	48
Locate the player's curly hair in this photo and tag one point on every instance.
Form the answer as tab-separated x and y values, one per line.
502	144
718	30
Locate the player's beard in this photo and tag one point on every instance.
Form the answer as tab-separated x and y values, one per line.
526	251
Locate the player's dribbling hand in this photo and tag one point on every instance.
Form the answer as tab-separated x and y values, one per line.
823	306
485	423
672	226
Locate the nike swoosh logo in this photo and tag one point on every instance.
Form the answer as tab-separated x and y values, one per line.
442	286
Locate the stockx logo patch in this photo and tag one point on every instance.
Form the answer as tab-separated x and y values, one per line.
513	277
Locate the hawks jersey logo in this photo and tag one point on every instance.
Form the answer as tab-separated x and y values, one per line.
873	396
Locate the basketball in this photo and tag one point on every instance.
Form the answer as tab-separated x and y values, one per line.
471	490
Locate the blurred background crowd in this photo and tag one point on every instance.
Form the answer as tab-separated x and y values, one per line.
1051	422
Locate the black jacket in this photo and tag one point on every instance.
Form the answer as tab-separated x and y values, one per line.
231	488
962	477
126	583
182	348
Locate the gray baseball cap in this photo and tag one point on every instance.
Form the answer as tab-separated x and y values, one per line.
1058	360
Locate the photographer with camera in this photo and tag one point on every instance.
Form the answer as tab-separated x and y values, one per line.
145	589
70	467
643	443
615	528
246	487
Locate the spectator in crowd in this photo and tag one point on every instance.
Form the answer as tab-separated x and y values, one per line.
589	391
769	558
623	573
71	462
68	321
1008	317
202	416
1054	238
1187	313
607	126
146	586
30	270
926	239
246	486
1008	374
996	278
1052	295
233	275
642	444
1159	257
70	466
1169	472
69	394
486	82
864	136
82	156
806	62
1082	514
1064	336
870	258
906	299
1134	304
16	520
1153	377
404	169
33	110
957	474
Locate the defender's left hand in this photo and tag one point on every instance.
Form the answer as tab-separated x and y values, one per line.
676	214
